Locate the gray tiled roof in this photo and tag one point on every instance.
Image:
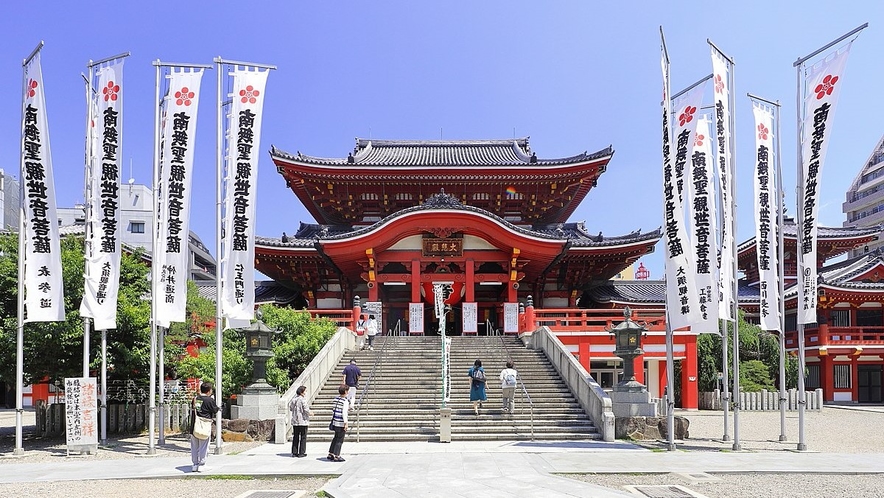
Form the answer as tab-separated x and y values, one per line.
790	232
648	292
266	291
448	153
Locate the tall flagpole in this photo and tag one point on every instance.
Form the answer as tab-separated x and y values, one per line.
781	303
219	222
87	195
219	172
670	355
735	283
19	336
729	211
155	263
799	107
781	275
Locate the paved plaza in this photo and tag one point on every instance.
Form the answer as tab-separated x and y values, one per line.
844	458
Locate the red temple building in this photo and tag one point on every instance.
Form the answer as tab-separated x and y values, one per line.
491	219
844	350
488	217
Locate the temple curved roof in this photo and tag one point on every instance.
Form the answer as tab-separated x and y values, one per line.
575	233
447	153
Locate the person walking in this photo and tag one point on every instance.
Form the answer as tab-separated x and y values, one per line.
338	424
300	408
205	407
360	332
371	330
477	385
508	380
350	378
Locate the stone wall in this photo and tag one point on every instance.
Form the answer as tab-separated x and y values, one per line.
644	428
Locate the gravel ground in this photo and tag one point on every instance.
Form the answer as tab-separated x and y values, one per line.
832	430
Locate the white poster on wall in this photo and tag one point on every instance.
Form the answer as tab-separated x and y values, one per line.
416	318
510	318
469	315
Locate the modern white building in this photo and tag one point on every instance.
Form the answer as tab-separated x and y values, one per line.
136	218
10	200
864	205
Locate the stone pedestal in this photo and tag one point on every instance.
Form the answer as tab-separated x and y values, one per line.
258	401
649	428
445	425
632	404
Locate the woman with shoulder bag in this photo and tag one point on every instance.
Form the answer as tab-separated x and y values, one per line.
204	407
338	424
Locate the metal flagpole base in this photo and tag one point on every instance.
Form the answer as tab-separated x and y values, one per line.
737	447
670	447
783	438
725	438
802	447
18	451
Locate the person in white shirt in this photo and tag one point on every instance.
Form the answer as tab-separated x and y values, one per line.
508	380
371	330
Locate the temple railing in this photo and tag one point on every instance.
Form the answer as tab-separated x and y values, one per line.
341	318
837	336
589	320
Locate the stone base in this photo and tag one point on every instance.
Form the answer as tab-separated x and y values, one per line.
632	404
644	428
243	429
255	406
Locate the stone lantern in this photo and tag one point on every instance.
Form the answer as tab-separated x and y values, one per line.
259	348
258	400
628	340
630	398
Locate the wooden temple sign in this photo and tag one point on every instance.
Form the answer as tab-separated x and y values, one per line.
442	247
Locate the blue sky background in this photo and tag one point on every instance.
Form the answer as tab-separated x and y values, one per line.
572	75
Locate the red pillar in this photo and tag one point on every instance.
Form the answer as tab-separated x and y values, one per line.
357	310
415	281
470	283
827	377
584	355
690	391
638	366
530	324
661	376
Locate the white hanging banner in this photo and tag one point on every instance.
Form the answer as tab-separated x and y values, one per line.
720	77
682	303
766	209
704	225
102	277
241	178
176	175
822	85
44	289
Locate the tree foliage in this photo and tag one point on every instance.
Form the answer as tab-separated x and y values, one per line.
759	359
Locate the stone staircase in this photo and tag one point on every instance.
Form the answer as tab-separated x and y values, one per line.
402	400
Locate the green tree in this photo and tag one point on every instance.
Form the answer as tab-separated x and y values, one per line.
294	348
756	345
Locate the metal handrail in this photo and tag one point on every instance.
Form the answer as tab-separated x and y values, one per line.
522	384
364	392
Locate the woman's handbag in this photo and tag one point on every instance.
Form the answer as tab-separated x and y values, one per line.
202	427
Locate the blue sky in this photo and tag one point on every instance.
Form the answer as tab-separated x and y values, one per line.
572	75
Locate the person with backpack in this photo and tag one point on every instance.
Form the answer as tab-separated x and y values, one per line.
371	330
508	380
477	385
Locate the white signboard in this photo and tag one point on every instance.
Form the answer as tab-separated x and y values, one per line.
510	318
81	413
373	308
416	318
469	315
